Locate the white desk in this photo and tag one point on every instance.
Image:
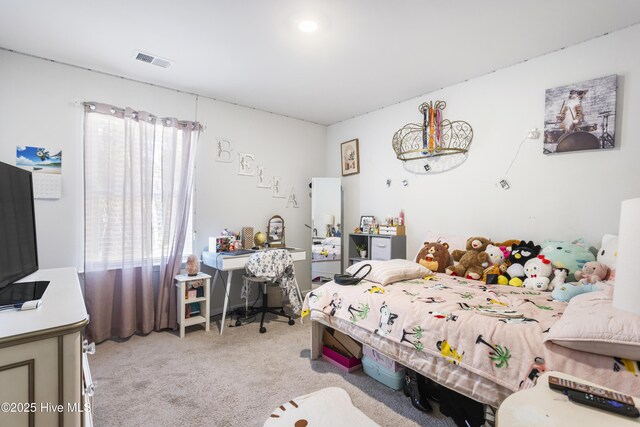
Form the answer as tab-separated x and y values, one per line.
230	263
542	406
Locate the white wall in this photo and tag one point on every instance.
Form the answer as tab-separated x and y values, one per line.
225	199
561	196
37	108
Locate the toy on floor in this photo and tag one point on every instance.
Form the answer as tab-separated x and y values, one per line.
592	272
330	406
473	261
569	255
435	256
520	254
538	271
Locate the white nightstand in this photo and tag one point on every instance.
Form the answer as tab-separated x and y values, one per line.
205	302
543	406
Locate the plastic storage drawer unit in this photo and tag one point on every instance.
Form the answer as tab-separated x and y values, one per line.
380	373
380	248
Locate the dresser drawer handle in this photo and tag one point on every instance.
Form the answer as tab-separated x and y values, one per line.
88	348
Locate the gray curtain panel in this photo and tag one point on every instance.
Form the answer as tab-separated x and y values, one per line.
138	181
178	162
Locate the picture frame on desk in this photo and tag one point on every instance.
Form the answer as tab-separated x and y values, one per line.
221	244
365	221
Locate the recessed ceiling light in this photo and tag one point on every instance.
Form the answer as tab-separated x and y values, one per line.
308	26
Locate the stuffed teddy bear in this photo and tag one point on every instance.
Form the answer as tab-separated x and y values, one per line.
520	254
566	291
608	253
435	256
569	255
538	271
473	261
592	272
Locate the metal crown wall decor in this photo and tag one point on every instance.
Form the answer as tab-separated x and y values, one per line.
436	145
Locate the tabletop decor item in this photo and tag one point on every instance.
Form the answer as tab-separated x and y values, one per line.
260	239
193	265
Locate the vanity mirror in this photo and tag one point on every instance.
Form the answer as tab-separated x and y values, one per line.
326	220
275	232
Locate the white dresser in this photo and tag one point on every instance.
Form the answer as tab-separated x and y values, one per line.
44	373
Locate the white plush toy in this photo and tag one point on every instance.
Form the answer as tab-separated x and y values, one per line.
559	276
608	253
496	256
538	271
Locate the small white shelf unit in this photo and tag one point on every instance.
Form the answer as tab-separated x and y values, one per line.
182	281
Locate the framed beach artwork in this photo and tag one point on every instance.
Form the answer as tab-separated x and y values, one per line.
350	157
581	116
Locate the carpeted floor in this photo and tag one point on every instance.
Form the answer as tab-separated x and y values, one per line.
236	379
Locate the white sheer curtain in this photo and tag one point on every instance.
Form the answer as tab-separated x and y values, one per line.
138	183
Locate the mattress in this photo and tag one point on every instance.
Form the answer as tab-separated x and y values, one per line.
443	327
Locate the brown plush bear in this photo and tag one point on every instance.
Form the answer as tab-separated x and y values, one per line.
435	256
473	261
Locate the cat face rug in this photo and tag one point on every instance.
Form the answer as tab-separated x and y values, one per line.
330	406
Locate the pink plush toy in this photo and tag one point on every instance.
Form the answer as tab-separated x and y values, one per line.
506	251
592	272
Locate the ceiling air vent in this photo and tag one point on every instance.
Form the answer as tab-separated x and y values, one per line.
151	59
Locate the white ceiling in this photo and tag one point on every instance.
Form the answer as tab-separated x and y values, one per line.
366	54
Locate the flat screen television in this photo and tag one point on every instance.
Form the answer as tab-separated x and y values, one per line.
18	249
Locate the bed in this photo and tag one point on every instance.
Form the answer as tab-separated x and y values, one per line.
326	259
444	327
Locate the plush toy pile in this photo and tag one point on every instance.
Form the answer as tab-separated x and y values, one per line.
565	268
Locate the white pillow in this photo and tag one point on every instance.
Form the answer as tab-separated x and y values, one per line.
335	241
387	272
590	323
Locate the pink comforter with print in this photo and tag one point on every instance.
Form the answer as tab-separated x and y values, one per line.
451	317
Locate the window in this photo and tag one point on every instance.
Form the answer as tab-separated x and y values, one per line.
124	199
